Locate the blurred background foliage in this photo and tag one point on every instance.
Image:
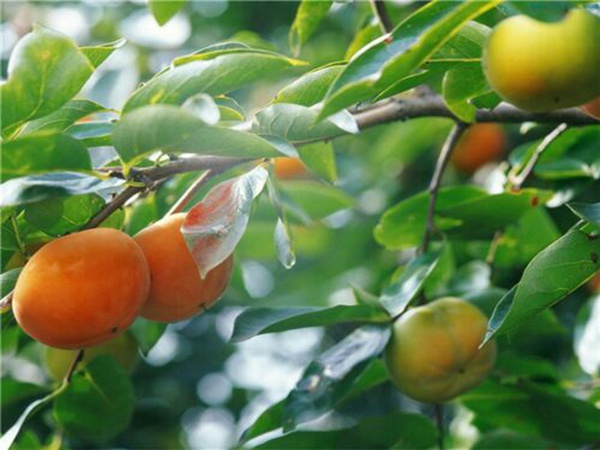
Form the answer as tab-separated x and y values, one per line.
195	389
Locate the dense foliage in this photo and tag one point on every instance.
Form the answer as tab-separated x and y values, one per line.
110	113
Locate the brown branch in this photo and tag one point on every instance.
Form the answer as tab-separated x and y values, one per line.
382	15
517	181
436	180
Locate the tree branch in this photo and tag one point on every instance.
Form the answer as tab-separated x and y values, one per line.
436	180
382	15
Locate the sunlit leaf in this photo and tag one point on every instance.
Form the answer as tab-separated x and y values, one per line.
310	88
164	10
63	118
213	227
99	53
308	17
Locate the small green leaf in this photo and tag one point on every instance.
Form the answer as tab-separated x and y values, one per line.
63	118
43	152
391	58
310	88
8	281
255	321
174	129
329	378
100	53
460	86
98	402
46	69
308	17
395	298
213	72
555	272
587	211
93	134
319	157
164	10
59	216
24	190
299	124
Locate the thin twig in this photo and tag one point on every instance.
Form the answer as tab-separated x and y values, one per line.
436	179
382	15
439	419
76	360
189	193
517	181
116	203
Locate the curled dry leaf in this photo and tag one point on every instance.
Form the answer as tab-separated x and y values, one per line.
213	227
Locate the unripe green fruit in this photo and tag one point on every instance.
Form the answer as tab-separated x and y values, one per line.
123	348
434	353
540	66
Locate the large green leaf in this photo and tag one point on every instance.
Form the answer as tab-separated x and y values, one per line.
310	88
63	118
327	380
212	72
174	129
43	152
555	272
308	17
396	430
98	402
35	188
390	58
164	10
255	321
298	123
46	69
460	210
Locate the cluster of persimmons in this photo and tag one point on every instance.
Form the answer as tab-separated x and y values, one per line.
84	289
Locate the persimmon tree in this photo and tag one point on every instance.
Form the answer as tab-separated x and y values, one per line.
373	219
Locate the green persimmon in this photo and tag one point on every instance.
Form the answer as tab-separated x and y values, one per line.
434	353
542	66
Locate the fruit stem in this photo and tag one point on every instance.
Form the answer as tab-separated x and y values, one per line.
76	359
439	419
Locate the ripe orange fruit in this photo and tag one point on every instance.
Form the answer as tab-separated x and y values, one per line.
81	289
434	353
177	291
289	168
480	144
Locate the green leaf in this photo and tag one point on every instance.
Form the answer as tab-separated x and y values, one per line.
396	430
93	134
396	297
549	12
59	216
402	226
173	130
147	333
63	118
20	191
310	88
98	403
212	72
255	321
586	211
308	17
100	53
43	152
319	157
460	211
386	60
328	379
507	439
45	70
460	86
555	272
8	280
299	124
164	10
318	200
